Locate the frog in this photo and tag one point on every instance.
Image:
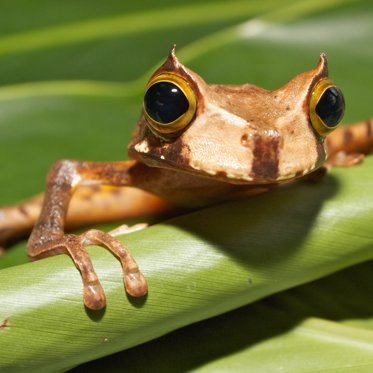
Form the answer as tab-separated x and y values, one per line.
195	144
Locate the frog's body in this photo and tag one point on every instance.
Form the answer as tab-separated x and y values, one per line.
213	142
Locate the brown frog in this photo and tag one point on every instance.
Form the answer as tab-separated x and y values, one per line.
194	144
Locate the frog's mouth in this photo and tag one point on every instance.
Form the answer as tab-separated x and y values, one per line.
264	168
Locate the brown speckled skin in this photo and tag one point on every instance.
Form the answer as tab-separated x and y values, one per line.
242	140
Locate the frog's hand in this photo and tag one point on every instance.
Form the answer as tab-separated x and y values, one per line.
347	145
90	204
48	236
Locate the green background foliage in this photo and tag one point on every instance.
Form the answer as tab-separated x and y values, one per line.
72	75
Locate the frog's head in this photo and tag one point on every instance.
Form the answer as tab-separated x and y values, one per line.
238	134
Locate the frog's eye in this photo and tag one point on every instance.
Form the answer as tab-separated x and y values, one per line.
169	104
327	106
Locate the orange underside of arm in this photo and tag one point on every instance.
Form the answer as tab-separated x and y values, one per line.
91	205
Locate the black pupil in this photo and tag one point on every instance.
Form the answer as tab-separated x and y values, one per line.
165	102
331	106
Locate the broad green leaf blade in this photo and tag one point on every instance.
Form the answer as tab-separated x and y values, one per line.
248	250
323	326
36	131
101	44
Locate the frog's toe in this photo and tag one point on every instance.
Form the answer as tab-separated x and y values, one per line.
343	159
94	296
135	284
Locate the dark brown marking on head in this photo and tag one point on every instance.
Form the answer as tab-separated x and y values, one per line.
265	162
153	140
369	125
347	136
177	152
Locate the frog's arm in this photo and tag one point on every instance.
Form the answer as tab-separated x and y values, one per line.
347	145
48	236
89	205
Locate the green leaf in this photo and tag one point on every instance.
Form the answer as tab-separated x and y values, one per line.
206	263
324	326
116	42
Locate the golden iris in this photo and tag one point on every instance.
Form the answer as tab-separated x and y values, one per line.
327	106
169	104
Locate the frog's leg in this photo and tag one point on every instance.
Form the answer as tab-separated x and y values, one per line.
48	236
18	220
90	204
347	145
